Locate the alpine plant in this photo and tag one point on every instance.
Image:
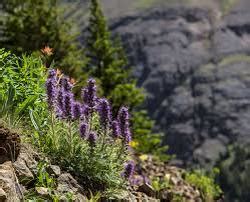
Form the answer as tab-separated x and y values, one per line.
84	113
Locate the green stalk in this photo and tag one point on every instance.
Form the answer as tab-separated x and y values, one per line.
103	138
53	128
70	138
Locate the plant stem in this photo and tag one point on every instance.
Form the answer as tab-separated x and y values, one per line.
70	139
103	138
53	127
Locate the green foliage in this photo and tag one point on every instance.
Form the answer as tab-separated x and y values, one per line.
98	164
100	168
21	86
127	94
235	173
205	183
30	25
159	184
45	180
108	63
144	141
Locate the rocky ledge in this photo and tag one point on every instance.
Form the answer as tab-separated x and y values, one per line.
24	176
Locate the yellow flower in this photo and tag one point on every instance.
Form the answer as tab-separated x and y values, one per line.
143	157
133	144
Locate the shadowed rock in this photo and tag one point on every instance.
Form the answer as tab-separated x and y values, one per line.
9	145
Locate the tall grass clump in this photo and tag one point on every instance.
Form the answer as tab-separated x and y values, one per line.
84	137
21	86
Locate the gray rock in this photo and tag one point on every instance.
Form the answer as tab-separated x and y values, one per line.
54	170
24	174
66	183
8	191
3	195
147	189
81	198
42	191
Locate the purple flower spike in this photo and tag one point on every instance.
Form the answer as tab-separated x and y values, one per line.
116	129
77	110
52	74
84	111
136	181
68	105
51	92
123	119
89	94
65	84
104	112
129	170
127	135
83	130
60	103
92	139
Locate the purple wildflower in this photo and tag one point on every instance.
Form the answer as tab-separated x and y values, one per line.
127	135
123	119
83	130
51	88
89	94
129	170
116	129
84	111
60	103
104	112
65	84
136	180
92	139
52	74
68	105
146	180
77	110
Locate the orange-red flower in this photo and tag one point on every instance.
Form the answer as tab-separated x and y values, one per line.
47	51
72	81
58	72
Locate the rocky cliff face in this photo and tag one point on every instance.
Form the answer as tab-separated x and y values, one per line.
195	67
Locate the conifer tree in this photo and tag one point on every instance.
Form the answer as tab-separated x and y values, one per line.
30	25
107	62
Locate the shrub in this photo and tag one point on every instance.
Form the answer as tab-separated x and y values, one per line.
235	172
43	179
84	138
205	183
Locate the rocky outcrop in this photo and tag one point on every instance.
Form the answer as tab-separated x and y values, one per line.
31	176
168	181
30	167
195	68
